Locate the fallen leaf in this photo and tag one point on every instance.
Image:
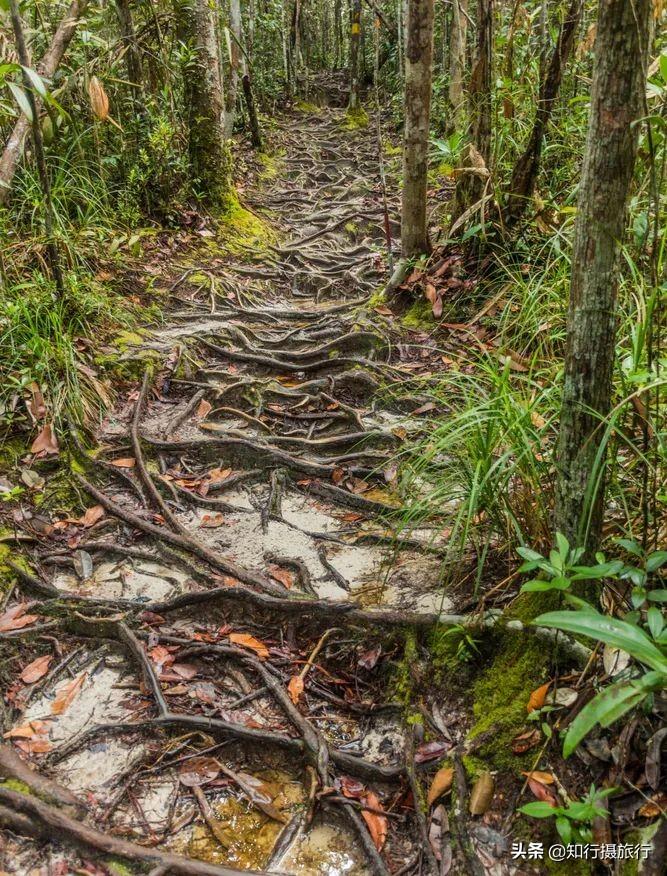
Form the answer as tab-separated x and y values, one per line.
377	824
27	731
437	831
352	788
543	778
369	659
614	660
37	669
216	475
45	443
184	670
67	694
655	806
92	516
34	746
430	750
541	792
36	406
481	794
161	656
198	771
441	784
525	741
424	409
212	521
15	618
537	697
204	409
248	641
283	576
32	479
124	462
295	688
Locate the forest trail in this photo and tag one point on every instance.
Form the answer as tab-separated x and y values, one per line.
232	603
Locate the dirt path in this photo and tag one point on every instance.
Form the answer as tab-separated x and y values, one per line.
224	633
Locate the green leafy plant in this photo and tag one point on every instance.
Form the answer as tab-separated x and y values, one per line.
574	821
562	567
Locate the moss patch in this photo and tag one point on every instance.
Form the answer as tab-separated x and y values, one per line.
270	166
355	119
239	229
419	315
304	106
500	697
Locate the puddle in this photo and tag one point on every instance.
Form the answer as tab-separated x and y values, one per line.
324	851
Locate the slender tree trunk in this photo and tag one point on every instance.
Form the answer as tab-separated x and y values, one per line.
617	101
24	60
253	121
418	73
355	38
132	54
524	175
457	60
480	85
209	156
234	64
46	67
338	34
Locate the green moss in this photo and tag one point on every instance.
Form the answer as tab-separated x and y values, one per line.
351	227
390	150
355	119
474	766
117	867
403	682
126	339
500	696
16	785
304	106
270	166
239	229
419	315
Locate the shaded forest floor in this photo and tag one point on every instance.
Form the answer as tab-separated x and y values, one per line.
220	646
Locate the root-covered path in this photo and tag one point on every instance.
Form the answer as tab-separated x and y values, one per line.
222	629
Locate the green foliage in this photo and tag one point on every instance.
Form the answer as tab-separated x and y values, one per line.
574	821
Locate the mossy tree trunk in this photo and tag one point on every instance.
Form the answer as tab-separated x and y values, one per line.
617	102
524	174
418	72
355	38
209	156
234	65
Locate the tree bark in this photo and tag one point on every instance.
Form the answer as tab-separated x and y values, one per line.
480	84
457	60
524	175
617	101
418	72
209	156
253	121
46	67
355	38
234	64
132	54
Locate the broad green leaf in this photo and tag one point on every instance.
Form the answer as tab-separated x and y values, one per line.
37	81
655	621
609	705
589	622
656	560
22	100
657	595
529	554
539	809
630	546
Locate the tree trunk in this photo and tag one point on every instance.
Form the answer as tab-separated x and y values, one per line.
457	60
355	38
418	64
209	156
617	101
480	84
234	64
253	121
524	175
131	48
46	67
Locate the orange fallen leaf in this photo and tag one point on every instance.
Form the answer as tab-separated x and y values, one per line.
15	618
161	656
441	784
537	697
91	516
295	688
45	443
124	462
27	731
542	778
251	642
212	521
204	409
283	576
377	824
37	669
34	746
218	474
67	694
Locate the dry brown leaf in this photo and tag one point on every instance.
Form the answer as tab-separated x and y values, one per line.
283	576
27	731
198	771
15	618
216	475
212	521
543	778
37	669
441	784
204	409
542	793
45	443
36	406
251	642
92	516
161	656
125	462
377	824
99	102
34	746
295	688
481	794
537	697
67	694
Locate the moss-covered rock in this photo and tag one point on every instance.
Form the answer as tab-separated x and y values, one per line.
355	118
